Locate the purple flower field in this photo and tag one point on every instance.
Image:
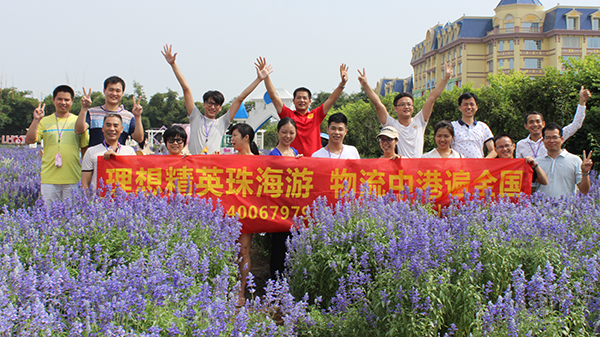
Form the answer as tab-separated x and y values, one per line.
367	266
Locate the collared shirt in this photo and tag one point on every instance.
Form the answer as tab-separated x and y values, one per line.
528	148
470	139
412	137
564	173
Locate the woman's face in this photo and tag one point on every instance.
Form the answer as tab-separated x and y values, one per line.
175	145
286	134
237	141
443	138
387	144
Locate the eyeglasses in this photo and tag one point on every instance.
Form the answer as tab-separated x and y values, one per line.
402	105
386	140
178	141
212	104
552	138
504	147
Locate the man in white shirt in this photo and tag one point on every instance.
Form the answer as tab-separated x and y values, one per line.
533	145
471	135
411	130
336	128
566	172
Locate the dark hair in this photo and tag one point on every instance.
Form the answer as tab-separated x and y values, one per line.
246	130
113	80
217	96
467	95
500	136
550	127
284	121
533	113
63	88
443	125
107	116
303	89
401	95
173	131
337	117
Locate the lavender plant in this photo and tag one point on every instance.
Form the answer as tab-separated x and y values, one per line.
19	176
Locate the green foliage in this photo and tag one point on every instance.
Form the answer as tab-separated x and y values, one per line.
16	111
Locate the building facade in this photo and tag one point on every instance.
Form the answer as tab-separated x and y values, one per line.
521	36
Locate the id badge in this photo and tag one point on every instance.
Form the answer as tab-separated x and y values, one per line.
58	160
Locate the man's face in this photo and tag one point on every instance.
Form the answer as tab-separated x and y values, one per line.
505	148
535	124
336	132
468	107
301	101
112	128
62	102
113	93
404	107
553	140
211	108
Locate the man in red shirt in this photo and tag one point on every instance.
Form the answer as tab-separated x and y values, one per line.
308	139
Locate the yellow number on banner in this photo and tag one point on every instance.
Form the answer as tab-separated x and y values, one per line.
305	210
252	212
242	212
231	211
297	209
275	209
263	213
285	212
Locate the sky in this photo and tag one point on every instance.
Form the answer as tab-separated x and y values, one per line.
47	43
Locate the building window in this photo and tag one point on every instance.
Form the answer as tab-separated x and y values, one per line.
509	27
500	63
533	63
490	66
533	44
500	45
449	86
454	69
448	59
511	63
572	23
490	48
454	54
511	45
593	42
571	42
595	23
530	25
460	67
459	51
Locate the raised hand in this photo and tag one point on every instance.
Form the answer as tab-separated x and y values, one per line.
39	113
449	72
586	166
86	99
137	108
584	95
362	77
168	54
344	72
262	68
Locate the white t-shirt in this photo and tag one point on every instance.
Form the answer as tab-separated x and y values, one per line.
90	160
410	143
470	139
206	132
434	154
348	152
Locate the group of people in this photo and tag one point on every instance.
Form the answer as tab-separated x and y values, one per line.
103	130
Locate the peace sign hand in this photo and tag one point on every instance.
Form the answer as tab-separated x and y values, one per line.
137	108
449	71
86	99
586	166
362	77
39	113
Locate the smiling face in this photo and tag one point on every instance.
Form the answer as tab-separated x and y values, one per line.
301	101
238	142
336	132
62	102
175	145
387	144
286	134
443	139
404	108
112	129
113	93
505	148
553	140
211	108
535	124
468	107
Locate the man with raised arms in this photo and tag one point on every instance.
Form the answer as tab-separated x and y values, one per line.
93	118
411	130
533	145
337	129
308	139
566	172
112	128
470	135
61	170
206	131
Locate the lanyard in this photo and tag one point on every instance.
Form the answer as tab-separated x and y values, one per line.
58	129
535	153
208	132
340	156
110	148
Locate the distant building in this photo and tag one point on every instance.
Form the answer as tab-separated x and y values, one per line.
389	85
521	36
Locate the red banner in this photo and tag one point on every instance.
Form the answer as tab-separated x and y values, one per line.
268	191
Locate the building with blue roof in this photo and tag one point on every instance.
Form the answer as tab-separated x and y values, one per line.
521	36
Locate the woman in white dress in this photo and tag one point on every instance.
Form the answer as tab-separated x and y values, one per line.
443	135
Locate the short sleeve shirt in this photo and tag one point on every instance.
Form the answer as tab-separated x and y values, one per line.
348	152
435	154
206	132
95	119
470	139
564	173
410	143
90	160
308	137
276	152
